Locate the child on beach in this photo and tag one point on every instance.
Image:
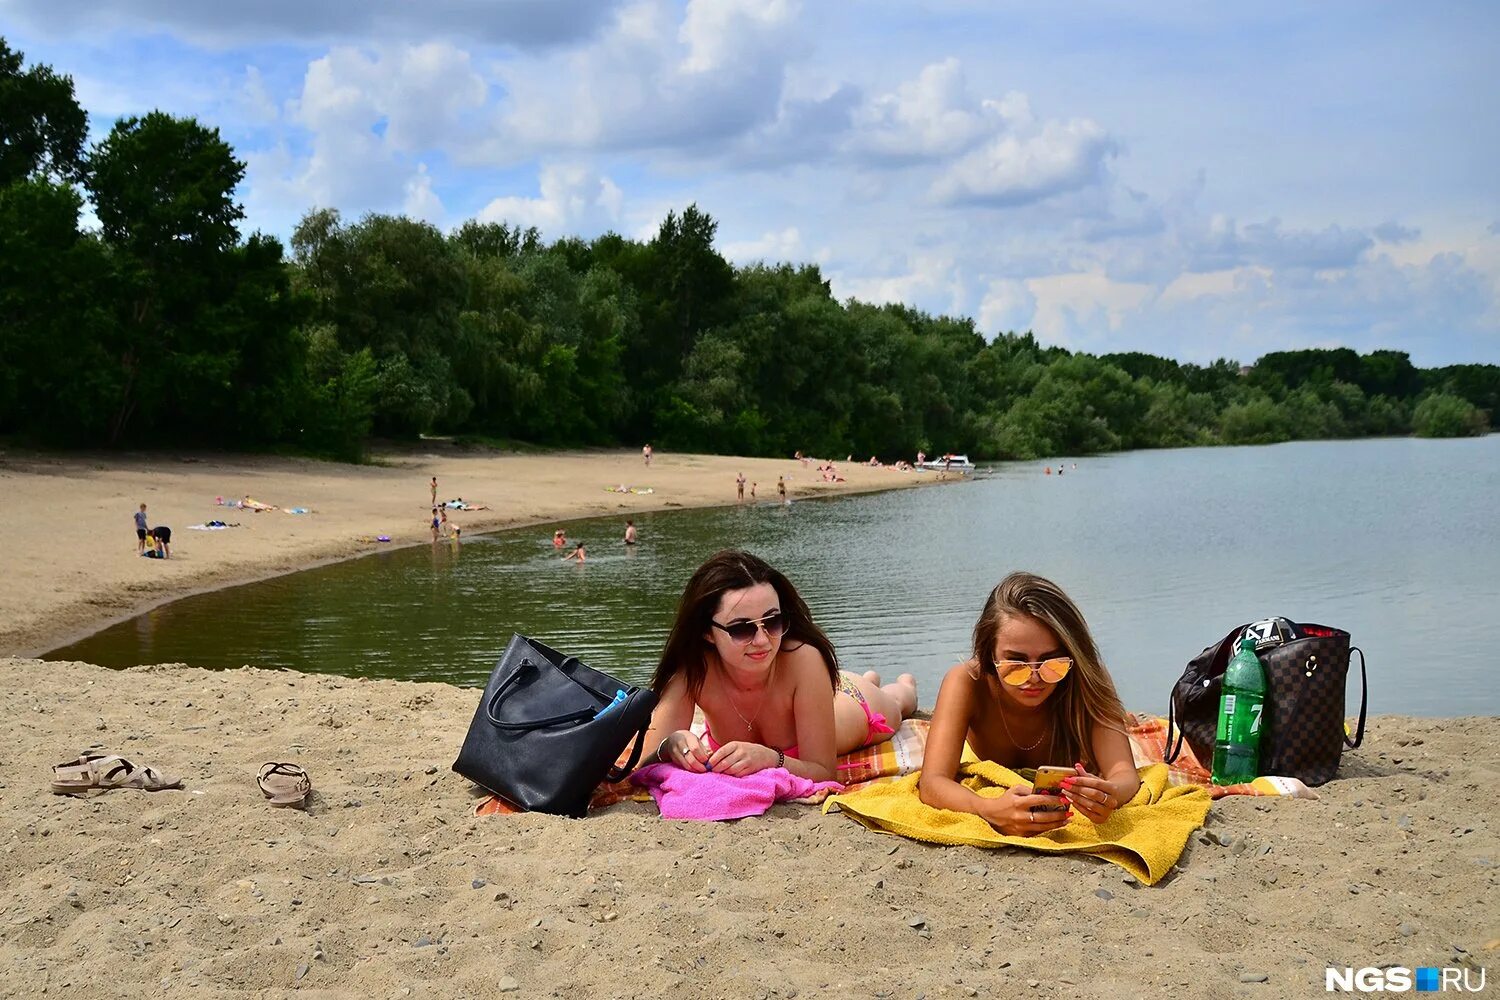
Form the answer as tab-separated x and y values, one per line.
140	529
744	649
435	524
1034	693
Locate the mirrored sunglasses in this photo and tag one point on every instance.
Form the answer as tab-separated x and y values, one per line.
1018	672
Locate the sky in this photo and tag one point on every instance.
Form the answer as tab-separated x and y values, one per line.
1186	179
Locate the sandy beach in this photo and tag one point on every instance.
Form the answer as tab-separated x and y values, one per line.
387	886
71	564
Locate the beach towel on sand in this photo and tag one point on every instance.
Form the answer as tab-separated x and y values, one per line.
684	794
1148	745
1145	836
901	754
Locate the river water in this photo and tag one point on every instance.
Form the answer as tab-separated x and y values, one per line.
1396	540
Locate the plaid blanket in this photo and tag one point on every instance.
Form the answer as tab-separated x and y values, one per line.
1148	744
902	754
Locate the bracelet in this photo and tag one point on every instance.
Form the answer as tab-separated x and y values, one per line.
662	746
781	758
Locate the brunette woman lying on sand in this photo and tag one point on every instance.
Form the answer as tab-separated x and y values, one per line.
1035	693
745	650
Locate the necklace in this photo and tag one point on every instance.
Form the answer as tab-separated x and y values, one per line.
1014	742
764	697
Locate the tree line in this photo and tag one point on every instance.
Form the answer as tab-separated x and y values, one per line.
158	322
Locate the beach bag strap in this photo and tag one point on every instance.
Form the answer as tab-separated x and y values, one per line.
534	724
1364	699
1172	750
621	773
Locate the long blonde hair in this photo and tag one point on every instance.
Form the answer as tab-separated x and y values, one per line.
1087	696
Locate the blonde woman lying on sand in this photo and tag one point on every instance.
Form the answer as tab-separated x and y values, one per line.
745	650
1035	693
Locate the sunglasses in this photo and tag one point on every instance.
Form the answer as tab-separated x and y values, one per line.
1018	672
744	632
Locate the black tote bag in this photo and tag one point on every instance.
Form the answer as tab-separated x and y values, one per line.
549	729
1306	670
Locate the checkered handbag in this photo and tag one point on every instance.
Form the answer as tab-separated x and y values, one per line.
1306	669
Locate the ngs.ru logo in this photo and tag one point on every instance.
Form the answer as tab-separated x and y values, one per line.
1398	980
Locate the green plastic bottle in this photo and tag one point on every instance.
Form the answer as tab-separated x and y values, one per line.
1237	743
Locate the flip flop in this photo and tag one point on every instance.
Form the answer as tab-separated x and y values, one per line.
283	783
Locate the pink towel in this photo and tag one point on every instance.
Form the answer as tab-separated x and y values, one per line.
688	795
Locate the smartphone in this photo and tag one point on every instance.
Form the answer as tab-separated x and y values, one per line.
1049	781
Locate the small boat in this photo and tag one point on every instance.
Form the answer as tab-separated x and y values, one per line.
948	463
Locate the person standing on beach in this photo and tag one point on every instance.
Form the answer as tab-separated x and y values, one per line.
781	488
443	513
646	454
434	491
435	523
739	488
629	532
140	530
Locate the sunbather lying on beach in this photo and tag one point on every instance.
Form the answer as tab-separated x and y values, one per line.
744	649
1035	693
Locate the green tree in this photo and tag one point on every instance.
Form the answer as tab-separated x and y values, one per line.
1442	415
42	127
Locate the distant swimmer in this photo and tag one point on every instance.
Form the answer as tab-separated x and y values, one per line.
578	553
559	539
629	532
1048	470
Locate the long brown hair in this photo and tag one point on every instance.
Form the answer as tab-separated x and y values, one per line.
731	569
1087	697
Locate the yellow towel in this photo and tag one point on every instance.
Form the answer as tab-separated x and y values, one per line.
1145	837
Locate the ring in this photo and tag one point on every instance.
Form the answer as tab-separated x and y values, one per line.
1032	813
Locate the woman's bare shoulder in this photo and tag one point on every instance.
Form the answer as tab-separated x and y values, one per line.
802	660
962	676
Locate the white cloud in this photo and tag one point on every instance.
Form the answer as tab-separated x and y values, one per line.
1014	169
928	117
574	199
783	245
651	82
421	201
1008	306
1080	310
366	114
